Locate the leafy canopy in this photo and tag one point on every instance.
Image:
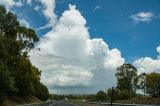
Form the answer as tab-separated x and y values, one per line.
17	74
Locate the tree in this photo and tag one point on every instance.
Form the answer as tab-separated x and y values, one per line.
17	74
91	98
142	82
42	92
6	82
123	95
115	94
101	95
127	78
109	93
153	84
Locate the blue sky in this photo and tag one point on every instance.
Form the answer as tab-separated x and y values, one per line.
111	21
82	42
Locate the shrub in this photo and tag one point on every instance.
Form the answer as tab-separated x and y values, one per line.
123	95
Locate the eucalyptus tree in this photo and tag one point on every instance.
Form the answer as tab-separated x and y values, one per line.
127	78
17	74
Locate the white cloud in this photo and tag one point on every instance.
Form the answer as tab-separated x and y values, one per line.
23	22
158	49
10	3
113	59
142	16
49	6
71	77
36	8
48	12
29	2
148	64
97	7
68	57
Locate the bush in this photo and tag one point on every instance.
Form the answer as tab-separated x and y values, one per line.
91	98
123	95
101	95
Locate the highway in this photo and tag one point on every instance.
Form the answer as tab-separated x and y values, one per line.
62	104
93	104
55	103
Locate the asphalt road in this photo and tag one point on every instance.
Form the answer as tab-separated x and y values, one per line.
69	104
62	104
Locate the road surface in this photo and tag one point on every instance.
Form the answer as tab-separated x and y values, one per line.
62	104
98	104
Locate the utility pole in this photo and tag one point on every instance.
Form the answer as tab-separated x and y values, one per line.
112	95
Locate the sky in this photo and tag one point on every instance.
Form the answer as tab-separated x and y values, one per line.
82	42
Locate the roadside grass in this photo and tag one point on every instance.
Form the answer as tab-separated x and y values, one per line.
17	100
137	100
141	100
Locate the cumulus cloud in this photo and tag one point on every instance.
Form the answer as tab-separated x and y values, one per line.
10	3
148	64
69	58
142	16
113	59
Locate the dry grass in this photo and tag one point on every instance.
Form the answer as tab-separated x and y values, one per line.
20	100
141	100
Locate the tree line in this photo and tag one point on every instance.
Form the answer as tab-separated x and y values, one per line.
17	74
128	82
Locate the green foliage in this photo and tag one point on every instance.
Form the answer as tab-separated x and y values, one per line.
115	94
42	92
101	95
153	84
91	98
2	98
17	74
123	95
109	93
6	81
127	78
142	82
